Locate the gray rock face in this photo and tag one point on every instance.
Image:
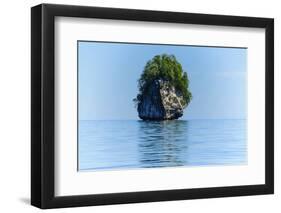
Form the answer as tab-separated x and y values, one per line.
161	102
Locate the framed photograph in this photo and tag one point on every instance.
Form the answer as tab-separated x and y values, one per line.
139	106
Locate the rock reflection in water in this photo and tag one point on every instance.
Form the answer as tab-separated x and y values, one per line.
163	143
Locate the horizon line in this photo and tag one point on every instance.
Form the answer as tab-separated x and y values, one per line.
167	120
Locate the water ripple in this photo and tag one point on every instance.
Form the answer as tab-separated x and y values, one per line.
150	144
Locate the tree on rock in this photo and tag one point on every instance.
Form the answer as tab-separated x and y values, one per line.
163	89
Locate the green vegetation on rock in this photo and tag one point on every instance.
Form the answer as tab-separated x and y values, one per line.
167	68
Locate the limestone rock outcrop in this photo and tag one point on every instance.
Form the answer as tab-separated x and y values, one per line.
161	102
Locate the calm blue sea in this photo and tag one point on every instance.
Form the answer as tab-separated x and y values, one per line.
146	144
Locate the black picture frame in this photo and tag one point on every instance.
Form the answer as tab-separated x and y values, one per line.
43	110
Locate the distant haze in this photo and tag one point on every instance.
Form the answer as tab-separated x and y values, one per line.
108	74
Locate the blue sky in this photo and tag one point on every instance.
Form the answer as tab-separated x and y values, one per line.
108	74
